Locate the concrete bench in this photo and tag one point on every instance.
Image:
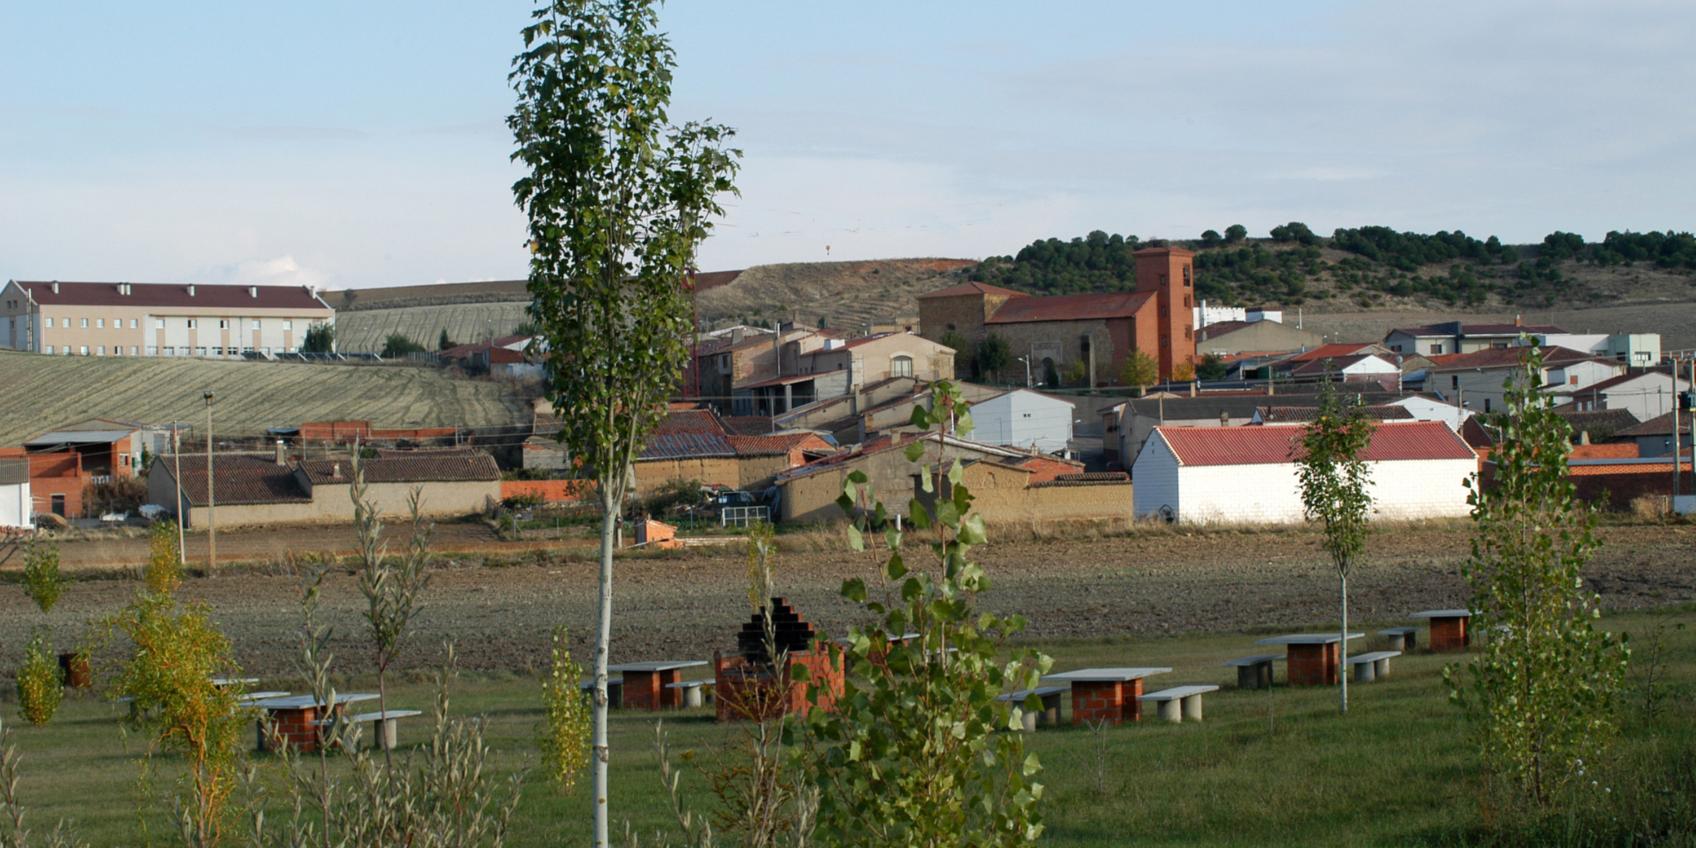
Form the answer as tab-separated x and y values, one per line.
1371	666
1050	713
695	692
615	691
384	733
1401	638
1254	672
1180	702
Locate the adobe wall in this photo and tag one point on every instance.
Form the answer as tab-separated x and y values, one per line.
651	474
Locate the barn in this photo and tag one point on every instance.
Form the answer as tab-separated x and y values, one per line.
1021	418
1248	475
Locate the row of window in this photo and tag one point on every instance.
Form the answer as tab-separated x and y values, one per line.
168	350
158	323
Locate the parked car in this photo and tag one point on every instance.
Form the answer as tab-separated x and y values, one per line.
151	512
114	517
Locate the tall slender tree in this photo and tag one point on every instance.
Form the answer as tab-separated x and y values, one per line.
1334	480
618	198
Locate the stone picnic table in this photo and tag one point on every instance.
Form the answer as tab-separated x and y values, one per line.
647	685
1450	630
295	717
1112	695
1311	659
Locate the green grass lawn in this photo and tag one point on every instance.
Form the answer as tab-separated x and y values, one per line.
1276	767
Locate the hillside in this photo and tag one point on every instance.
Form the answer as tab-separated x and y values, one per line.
363	330
44	391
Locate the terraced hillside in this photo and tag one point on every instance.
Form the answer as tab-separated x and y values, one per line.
43	391
364	330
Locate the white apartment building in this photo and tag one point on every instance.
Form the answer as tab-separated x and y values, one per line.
157	319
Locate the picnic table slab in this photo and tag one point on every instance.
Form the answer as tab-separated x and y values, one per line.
645	683
1111	695
1373	665
1450	628
1180	702
1313	658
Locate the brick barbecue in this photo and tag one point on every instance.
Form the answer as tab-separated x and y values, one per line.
749	685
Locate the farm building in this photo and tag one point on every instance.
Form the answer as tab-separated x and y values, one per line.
260	489
808	494
1451	337
1022	418
694	445
837	368
1232	338
15	505
1249	474
1037	490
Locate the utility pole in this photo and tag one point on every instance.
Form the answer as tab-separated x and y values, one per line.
177	460
211	499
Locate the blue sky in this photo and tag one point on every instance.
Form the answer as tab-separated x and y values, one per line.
357	144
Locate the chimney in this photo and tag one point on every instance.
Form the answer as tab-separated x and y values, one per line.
336	471
1584	437
282	457
253	291
55	286
1224	419
1192	388
191	290
1518	320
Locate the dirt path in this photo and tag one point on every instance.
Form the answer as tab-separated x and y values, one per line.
1154	583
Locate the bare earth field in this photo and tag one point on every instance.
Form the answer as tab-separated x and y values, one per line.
1671	319
1150	583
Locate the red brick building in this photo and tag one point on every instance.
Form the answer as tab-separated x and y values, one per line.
1060	333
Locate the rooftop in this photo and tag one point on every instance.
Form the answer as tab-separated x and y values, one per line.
240	478
1290	414
1660	425
972	287
174	295
1070	307
410	466
1509	357
1277	444
1449	329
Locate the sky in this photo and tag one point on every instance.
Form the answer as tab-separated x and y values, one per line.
364	144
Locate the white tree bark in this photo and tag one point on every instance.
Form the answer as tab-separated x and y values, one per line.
603	642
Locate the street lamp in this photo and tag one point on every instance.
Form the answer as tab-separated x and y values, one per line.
1027	361
211	500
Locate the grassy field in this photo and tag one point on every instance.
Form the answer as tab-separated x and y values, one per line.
46	391
1275	767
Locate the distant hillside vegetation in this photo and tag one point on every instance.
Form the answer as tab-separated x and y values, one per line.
1372	266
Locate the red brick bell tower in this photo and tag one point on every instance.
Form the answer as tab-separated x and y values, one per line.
1169	274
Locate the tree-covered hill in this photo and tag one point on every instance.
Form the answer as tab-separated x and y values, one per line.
1365	266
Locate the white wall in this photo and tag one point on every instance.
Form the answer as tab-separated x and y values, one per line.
1023	419
15	505
1426	409
1271	494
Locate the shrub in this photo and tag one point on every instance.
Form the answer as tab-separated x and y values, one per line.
121	494
565	731
42	580
164	571
40	683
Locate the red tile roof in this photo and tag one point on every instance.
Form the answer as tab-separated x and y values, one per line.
690	421
238	479
1277	444
1660	425
776	444
423	466
1070	307
972	287
1334	350
173	294
1508	357
1091	478
686	445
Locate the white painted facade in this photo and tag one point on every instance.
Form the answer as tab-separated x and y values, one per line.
1370	366
1481	390
15	506
1022	418
1645	396
1401	490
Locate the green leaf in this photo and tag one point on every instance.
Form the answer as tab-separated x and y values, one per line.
914	451
917	515
920	417
858	477
854	590
855	539
897	567
971	530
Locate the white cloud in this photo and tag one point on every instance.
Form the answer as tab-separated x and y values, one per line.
278	271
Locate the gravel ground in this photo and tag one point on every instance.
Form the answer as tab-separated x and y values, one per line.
686	606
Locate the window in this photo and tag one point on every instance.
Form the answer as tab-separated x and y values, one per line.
100	350
1437	347
84	323
901	366
117	323
132	323
223	323
158	323
1187	304
48	322
1454	381
99	323
1486	405
135	350
191	323
1186	275
49	350
255	323
288	325
82	350
1572	381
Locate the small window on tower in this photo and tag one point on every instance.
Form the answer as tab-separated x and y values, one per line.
1186	276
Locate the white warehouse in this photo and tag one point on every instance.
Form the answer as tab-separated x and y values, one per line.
15	505
1022	418
1248	475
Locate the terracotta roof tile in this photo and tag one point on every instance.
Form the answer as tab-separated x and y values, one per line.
238	479
1277	444
1070	307
972	287
424	466
175	294
1091	478
1507	357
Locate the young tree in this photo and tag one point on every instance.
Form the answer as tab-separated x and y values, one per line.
1235	233
1211	368
1333	492
444	342
398	345
618	200
993	355
320	338
1542	693
1140	370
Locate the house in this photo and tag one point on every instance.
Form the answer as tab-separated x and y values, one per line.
719	364
1426	408
1354	368
157	319
838	368
1637	350
1231	338
1645	394
105	447
1022	418
16	507
262	489
1094	333
1596	425
875	408
692	444
1127	426
1451	337
1475	380
1249	474
506	356
807	494
1655	436
1031	493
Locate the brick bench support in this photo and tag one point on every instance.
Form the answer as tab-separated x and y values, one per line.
1313	665
1449	635
1111	701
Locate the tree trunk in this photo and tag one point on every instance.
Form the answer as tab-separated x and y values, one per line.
603	640
1343	644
